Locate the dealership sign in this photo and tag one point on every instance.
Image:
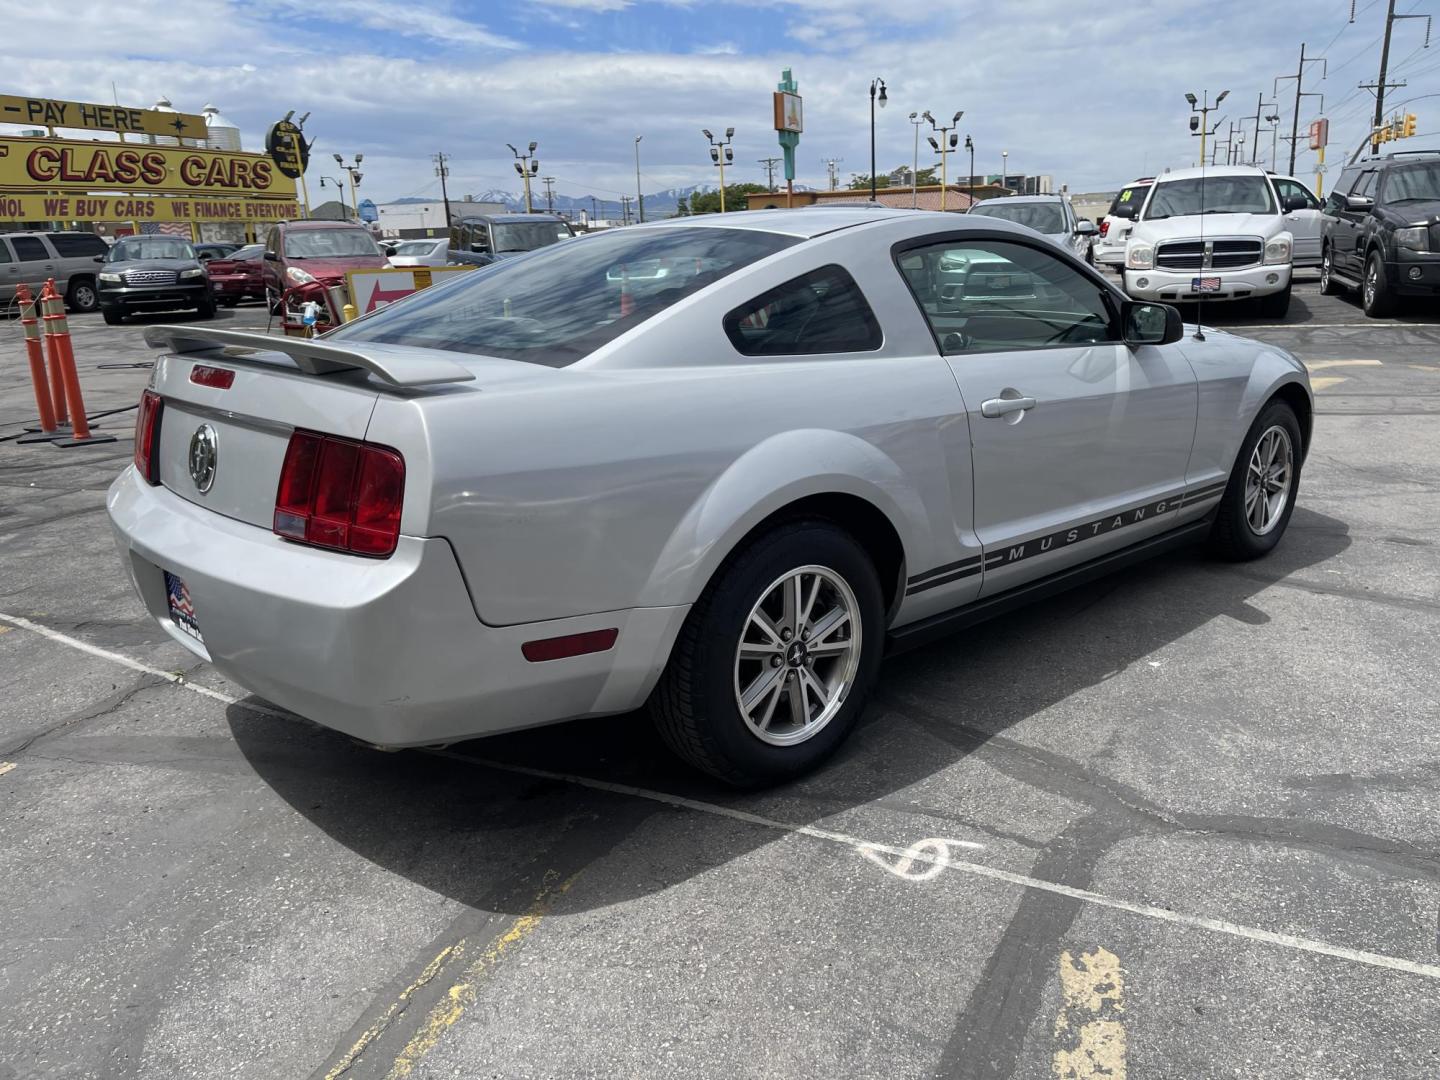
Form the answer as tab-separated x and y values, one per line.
64	165
78	114
286	145
143	208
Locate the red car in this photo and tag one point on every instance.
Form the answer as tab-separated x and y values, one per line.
299	253
237	276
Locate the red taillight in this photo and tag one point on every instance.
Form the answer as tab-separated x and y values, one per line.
341	494
219	378
1104	226
558	648
147	436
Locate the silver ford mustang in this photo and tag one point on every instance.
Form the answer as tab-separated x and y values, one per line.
718	466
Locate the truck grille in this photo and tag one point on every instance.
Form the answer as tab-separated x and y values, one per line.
151	277
1224	254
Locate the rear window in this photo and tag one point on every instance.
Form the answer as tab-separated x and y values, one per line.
1133	195
561	303
1042	217
78	245
823	311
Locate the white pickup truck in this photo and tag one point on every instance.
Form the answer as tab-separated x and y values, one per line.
1214	234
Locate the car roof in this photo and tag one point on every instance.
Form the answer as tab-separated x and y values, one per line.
1052	197
801	221
322	225
1216	171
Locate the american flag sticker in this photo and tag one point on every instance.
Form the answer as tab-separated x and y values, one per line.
177	595
1205	284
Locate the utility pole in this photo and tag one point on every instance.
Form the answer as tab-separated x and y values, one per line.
834	174
625	209
1379	86
639	195
1299	78
549	182
442	170
594	209
768	164
1260	105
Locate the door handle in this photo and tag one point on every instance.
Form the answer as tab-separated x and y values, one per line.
1004	406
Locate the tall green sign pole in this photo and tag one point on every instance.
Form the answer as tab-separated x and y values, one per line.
789	123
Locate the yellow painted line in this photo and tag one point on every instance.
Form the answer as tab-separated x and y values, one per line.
373	1032
1090	1020
6	766
463	994
1324	382
1321	365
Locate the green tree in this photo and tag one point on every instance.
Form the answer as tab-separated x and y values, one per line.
861	181
708	202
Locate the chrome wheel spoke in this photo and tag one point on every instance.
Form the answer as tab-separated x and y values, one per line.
762	684
1267	480
759	619
771	700
826	625
790	594
799	707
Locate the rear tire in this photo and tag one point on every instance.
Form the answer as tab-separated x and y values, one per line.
81	297
113	316
1375	293
205	309
1276	305
1249	523
697	706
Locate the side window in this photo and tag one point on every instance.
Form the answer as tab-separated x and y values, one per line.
1335	201
272	240
29	249
996	296
78	245
1366	184
1289	189
5	252
823	311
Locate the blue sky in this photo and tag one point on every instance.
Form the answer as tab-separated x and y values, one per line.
1092	93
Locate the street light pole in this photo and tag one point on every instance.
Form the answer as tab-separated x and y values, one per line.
720	154
970	145
339	190
639	195
874	84
1203	109
1005	169
355	177
527	165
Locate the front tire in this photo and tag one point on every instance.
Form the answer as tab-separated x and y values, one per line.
773	665
1260	497
112	315
1276	305
1375	294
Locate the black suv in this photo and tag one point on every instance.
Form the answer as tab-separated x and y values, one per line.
1381	230
152	273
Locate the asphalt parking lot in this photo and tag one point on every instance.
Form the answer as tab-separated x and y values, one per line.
1181	823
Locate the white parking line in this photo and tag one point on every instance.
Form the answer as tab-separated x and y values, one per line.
854	843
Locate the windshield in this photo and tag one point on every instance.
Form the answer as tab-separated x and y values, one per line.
555	307
528	235
418	247
151	247
329	244
1042	217
1218	195
1413	183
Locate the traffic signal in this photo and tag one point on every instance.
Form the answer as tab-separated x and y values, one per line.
1386	134
1407	128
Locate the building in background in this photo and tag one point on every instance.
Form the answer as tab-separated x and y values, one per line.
421	220
927	197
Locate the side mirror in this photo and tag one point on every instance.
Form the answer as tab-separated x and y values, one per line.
1358	202
100	258
1291	203
480	248
270	256
1126	210
1145	323
1085	227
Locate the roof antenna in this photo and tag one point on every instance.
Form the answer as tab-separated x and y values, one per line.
1200	281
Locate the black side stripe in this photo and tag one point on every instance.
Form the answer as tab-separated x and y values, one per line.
1039	545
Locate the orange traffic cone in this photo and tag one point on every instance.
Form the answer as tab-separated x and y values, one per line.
57	330
49	429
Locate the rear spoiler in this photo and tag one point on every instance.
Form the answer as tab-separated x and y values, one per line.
313	357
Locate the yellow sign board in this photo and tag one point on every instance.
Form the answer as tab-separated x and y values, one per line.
71	165
142	208
47	112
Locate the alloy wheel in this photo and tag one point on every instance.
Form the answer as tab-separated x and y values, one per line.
83	298
1268	480
1372	282
1325	272
798	655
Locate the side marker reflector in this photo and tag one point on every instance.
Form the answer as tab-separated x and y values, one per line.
558	648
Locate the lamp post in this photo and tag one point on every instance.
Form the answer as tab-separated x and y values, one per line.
970	145
1005	169
527	165
721	155
875	84
948	141
339	190
1202	109
639	195
355	177
1274	121
917	120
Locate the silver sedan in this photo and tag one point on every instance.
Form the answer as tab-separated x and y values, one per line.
1052	216
715	466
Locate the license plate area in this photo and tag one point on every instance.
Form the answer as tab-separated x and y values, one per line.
182	610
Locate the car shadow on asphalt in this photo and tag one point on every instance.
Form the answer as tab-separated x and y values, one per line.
439	820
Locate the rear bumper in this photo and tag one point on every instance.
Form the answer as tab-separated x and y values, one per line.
225	288
388	651
1171	286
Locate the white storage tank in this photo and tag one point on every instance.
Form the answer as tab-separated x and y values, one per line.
221	133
